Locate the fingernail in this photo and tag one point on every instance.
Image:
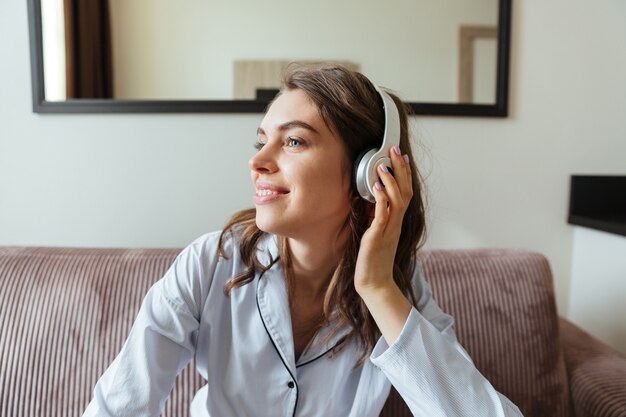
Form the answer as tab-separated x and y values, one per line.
383	168
378	185
396	149
406	158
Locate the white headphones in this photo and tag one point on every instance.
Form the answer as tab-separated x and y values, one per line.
365	166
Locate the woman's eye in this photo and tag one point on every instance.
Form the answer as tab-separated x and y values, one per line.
293	142
258	145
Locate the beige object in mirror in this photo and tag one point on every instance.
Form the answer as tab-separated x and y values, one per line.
250	76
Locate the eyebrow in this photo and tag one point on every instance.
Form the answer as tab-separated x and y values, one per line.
290	125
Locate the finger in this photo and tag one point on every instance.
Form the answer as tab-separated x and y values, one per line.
402	172
381	208
397	204
391	185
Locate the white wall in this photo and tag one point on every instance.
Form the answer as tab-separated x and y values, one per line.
598	285
161	180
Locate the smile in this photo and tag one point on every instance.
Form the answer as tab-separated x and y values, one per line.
266	193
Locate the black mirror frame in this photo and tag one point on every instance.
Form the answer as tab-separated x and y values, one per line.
40	105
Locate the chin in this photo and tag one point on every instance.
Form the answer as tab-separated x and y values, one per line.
266	223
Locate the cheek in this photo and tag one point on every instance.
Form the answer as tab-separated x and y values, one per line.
329	177
336	183
344	176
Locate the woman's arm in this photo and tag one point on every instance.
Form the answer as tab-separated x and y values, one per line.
160	344
418	351
373	275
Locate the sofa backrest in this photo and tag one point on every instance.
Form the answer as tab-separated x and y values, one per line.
65	312
506	318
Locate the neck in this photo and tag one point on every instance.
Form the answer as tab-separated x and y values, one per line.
314	261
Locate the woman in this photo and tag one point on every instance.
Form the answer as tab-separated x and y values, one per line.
310	304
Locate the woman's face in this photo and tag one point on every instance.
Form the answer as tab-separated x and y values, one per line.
301	171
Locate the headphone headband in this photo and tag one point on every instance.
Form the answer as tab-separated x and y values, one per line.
391	135
366	165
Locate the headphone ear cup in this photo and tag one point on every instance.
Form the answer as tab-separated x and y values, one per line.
355	170
359	174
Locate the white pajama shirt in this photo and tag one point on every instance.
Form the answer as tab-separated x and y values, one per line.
243	346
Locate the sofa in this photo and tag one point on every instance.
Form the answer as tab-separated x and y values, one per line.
65	312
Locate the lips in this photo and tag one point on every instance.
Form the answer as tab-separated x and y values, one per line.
267	192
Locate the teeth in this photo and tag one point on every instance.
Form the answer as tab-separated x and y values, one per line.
266	192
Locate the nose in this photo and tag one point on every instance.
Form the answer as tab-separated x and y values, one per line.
264	161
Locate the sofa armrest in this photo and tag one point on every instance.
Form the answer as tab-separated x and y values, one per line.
596	373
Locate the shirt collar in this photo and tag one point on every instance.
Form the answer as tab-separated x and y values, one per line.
273	306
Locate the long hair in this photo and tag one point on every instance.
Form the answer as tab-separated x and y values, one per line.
352	108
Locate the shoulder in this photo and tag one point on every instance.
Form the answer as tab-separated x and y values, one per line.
205	242
214	243
224	247
200	257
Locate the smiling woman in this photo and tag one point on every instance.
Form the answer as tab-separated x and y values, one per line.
313	297
172	58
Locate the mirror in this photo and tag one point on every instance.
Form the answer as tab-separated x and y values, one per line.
443	57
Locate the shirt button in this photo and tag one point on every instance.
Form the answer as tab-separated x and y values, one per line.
290	384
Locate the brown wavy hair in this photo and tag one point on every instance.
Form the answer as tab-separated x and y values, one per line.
352	108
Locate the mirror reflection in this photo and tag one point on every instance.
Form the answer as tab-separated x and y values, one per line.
442	51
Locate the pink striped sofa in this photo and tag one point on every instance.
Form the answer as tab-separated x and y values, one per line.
64	313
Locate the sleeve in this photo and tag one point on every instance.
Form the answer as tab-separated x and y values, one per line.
430	369
160	344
